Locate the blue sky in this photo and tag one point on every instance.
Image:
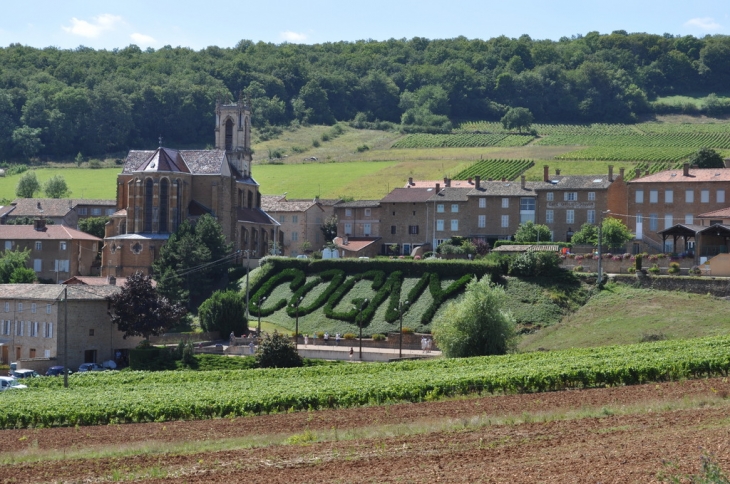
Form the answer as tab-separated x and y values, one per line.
155	23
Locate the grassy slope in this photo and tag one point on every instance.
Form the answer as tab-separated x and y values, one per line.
83	182
623	315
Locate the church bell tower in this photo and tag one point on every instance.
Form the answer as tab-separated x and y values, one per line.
233	133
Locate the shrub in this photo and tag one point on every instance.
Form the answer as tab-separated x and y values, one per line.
378	337
631	270
695	271
578	269
407	330
277	351
673	268
315	143
655	269
362	148
94	164
638	261
224	312
349	336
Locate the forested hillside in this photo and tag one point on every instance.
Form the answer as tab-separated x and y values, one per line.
61	102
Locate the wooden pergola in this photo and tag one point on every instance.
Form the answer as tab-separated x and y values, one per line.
709	240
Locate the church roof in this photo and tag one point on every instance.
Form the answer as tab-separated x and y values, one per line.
198	162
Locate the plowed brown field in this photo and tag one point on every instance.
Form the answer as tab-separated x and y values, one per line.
612	435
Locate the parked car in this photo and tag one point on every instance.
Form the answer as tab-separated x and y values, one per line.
56	370
90	367
8	383
302	256
24	373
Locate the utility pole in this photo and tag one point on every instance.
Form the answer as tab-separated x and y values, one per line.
65	336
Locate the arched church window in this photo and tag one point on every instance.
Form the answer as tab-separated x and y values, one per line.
250	199
229	135
164	204
148	197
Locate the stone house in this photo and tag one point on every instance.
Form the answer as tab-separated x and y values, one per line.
406	221
57	211
359	218
158	189
300	221
57	252
36	324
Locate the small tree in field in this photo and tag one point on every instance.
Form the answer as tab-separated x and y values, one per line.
138	310
329	228
477	325
56	187
225	312
531	232
517	118
277	351
27	185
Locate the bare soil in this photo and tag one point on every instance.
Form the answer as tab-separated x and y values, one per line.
611	435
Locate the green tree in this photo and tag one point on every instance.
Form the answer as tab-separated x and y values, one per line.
56	187
277	351
27	141
707	158
517	118
587	235
614	233
225	312
27	185
531	232
95	226
13	268
138	310
329	228
477	325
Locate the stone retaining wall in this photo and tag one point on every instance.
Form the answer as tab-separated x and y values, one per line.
695	285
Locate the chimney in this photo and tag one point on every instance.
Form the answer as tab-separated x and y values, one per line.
610	173
727	162
448	182
112	281
621	172
504	179
477	181
39	224
546	173
446	179
522	181
646	172
557	171
410	180
685	169
469	180
638	173
438	188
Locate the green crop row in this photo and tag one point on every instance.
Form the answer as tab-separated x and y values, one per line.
601	129
496	169
460	140
661	140
631	153
121	397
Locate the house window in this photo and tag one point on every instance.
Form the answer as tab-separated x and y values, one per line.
20	307
37	265
367	212
440	208
82	210
392	230
668	220
591	216
689	219
294	236
705	196
482	221
570	216
348	229
32	307
413	229
48	309
96	212
110	211
454	208
721	196
366	229
527	203
38	245
8	245
282	219
19	328
439	225
653	222
348	212
549	196
689	196
668	196
591	196
7	307
549	216
482	202
49	330
34	329
505	203
31	352
653	196
6	328
570	196
505	221
62	265
454	225
295	219
62	245
639	196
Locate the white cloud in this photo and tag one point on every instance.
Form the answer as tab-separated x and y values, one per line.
704	23
142	39
290	36
94	28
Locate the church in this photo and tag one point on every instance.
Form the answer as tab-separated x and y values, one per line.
158	189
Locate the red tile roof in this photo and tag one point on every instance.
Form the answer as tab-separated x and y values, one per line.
721	213
354	245
50	232
401	195
695	175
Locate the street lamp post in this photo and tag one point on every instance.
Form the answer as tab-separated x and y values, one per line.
401	308
258	307
296	328
248	253
600	236
362	308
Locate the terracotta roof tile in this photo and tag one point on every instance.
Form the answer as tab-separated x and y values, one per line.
451	194
695	175
49	207
277	203
721	213
355	244
51	232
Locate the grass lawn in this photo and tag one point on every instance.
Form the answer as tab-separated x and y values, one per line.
83	182
623	315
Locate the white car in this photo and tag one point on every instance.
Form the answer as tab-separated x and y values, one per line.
8	382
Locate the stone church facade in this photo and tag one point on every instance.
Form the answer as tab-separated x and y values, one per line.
158	189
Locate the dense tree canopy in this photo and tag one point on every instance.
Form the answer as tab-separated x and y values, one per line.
56	102
56	187
13	269
28	185
707	158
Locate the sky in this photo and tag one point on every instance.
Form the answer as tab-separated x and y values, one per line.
103	24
